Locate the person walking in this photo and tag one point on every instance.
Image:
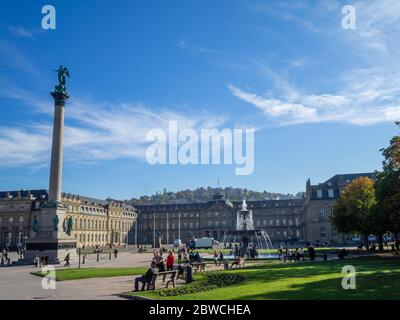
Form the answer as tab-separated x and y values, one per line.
215	257
66	259
221	257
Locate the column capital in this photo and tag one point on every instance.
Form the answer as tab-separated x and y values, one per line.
59	97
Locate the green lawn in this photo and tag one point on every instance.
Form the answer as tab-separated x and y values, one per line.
84	273
377	278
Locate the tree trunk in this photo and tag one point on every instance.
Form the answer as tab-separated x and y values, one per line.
380	242
366	242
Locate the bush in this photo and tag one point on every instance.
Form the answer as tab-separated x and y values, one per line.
215	280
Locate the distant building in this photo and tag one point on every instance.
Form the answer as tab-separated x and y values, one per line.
318	208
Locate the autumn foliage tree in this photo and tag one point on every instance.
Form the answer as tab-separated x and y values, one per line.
354	212
387	185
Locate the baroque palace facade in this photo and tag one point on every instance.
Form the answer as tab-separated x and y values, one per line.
104	222
95	222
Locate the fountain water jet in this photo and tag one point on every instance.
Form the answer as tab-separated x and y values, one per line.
246	238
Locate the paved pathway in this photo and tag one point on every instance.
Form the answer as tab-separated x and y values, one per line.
16	282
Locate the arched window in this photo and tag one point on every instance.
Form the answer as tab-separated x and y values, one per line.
10	222
21	222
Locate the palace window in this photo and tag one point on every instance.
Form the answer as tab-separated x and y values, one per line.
277	222
322	230
331	193
284	222
271	222
319	193
20	238
296	221
10	222
21	222
321	213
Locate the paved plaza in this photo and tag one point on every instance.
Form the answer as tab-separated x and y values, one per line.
16	282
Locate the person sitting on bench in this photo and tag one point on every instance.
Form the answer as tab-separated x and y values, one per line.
146	278
343	254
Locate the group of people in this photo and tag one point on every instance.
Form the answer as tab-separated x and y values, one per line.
297	254
190	256
41	261
160	264
184	256
218	257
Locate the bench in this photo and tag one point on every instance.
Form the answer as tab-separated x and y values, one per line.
160	277
199	266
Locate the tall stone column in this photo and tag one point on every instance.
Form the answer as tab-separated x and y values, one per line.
57	147
51	227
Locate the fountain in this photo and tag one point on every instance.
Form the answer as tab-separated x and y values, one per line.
247	240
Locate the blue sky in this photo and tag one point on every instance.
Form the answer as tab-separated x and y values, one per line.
322	99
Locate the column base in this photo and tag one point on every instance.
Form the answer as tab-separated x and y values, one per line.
55	250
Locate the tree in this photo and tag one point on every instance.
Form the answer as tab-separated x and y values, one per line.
388	185
354	210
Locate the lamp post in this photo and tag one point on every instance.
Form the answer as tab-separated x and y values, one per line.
154	230
167	230
179	225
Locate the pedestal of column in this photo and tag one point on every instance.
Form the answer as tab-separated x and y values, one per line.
50	237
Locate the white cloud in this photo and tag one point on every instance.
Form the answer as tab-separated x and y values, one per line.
21	32
369	96
94	132
23	146
275	107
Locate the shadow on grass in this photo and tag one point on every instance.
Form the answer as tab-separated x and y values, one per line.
374	286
